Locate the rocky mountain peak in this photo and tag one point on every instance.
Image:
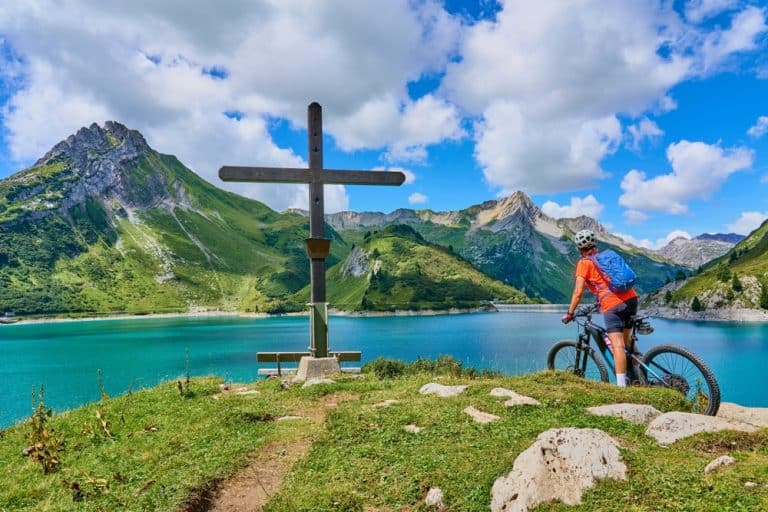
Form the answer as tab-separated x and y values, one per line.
110	164
114	141
499	214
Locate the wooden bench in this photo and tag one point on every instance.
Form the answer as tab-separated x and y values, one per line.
295	357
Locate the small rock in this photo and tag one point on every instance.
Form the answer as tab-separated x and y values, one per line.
435	498
26	451
719	462
560	465
635	413
315	382
224	387
750	485
247	392
441	390
292	418
216	397
757	416
513	397
480	416
673	426
413	429
386	403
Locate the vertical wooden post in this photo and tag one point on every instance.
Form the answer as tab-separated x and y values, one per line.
318	324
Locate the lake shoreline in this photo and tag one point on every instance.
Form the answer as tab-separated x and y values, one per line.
737	315
220	313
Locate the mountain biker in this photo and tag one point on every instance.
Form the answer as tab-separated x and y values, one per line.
616	308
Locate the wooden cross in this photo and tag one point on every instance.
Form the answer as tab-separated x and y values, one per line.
317	245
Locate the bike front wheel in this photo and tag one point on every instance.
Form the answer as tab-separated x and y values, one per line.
563	357
680	369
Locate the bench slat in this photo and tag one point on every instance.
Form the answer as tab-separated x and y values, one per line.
288	357
290	371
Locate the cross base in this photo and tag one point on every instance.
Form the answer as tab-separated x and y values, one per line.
316	368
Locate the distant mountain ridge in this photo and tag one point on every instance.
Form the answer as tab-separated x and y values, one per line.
695	252
512	240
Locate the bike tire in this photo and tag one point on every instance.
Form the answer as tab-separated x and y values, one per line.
562	357
679	369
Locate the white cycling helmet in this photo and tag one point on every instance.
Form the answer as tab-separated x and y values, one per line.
585	238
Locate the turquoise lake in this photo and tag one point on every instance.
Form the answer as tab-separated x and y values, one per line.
137	353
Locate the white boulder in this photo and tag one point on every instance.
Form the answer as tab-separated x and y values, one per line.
385	403
560	465
513	398
673	426
725	460
635	413
413	429
480	416
757	416
440	390
434	498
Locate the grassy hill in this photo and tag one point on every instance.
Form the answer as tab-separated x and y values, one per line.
396	268
164	450
737	279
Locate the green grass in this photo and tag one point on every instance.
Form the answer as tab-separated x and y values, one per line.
170	447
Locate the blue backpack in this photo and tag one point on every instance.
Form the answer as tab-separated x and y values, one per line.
620	277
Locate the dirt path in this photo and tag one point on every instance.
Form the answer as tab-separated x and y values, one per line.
251	488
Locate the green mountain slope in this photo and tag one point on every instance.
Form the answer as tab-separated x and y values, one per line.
738	279
396	268
103	223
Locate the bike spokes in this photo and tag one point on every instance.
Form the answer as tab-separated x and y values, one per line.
678	372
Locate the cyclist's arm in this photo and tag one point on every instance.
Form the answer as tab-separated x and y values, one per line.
578	292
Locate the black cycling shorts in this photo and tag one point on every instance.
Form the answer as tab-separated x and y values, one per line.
617	319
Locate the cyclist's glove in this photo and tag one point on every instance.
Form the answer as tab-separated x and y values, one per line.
567	318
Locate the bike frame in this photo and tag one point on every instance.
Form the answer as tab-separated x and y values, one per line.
589	329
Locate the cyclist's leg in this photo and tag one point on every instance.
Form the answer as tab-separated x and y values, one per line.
616	320
630	311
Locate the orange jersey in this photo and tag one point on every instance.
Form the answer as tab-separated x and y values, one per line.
598	285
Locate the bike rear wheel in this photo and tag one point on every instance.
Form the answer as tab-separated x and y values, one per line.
680	369
562	357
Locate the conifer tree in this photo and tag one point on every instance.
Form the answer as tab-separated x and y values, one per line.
764	296
696	305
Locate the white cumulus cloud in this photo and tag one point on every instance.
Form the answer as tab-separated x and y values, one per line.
760	128
645	129
699	10
698	170
588	206
548	89
635	216
172	70
747	222
417	198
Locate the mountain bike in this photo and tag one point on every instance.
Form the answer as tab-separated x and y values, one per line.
669	366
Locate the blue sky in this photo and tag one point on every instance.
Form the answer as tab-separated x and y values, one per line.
651	116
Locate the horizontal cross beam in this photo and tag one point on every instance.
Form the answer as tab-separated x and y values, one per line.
325	176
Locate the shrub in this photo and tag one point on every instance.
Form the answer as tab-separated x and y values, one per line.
44	446
385	368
